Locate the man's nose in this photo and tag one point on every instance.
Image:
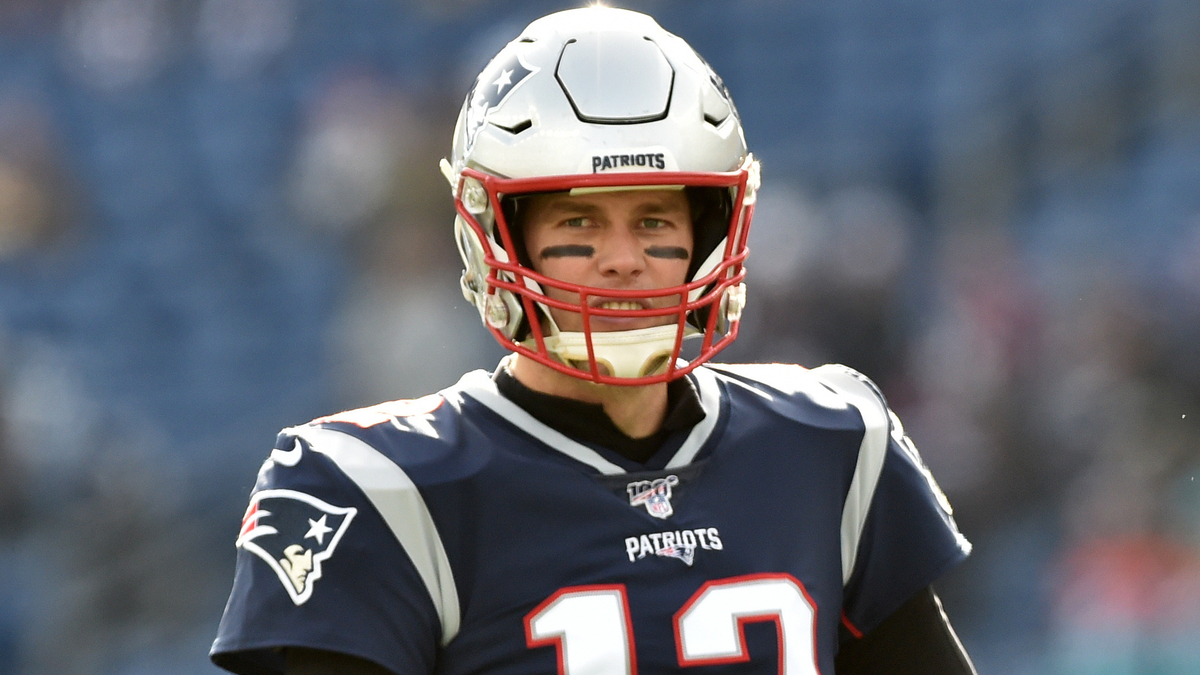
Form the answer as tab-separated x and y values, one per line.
621	253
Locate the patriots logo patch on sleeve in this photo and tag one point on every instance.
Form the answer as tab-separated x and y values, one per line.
294	533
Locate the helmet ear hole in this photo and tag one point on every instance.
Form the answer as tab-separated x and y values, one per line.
510	208
711	209
514	215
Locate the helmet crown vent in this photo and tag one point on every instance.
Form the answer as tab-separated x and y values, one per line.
616	78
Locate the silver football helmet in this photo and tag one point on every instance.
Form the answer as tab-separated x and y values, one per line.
601	99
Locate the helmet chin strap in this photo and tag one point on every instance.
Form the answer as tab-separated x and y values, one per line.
628	353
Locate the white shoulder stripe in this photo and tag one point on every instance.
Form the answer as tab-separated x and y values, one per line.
710	400
480	386
871	454
397	499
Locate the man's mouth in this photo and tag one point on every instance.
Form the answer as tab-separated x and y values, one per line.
622	305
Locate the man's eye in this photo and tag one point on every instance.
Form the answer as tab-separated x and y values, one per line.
575	222
653	223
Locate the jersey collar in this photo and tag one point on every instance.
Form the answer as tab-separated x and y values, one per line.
479	385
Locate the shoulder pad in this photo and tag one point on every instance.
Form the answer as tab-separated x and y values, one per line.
788	379
385	412
864	395
395	497
845	379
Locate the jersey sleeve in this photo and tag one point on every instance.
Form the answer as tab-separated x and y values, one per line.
898	531
319	567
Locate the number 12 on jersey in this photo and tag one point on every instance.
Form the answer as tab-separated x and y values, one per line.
591	628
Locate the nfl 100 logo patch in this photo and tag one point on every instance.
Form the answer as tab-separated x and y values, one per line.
655	495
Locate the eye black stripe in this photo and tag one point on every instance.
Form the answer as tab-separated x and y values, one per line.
567	251
668	252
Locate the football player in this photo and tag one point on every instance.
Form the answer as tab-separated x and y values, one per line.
599	504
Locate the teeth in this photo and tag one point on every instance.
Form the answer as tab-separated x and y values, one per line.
627	306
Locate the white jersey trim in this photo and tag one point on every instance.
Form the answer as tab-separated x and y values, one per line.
397	499
710	401
479	385
871	455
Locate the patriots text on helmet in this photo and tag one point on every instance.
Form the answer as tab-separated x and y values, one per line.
647	160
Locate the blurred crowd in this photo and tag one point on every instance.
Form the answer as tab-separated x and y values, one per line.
222	217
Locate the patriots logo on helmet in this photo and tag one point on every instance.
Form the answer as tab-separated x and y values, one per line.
494	85
294	533
655	495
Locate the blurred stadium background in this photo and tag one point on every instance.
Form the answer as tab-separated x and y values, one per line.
222	217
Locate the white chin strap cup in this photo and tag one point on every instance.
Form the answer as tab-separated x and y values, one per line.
627	353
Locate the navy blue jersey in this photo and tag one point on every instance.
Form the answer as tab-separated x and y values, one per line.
457	534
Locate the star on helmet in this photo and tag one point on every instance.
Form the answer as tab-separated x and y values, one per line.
503	81
495	84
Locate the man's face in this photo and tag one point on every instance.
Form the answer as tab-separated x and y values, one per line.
622	240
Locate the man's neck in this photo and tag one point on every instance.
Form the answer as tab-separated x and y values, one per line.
637	411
